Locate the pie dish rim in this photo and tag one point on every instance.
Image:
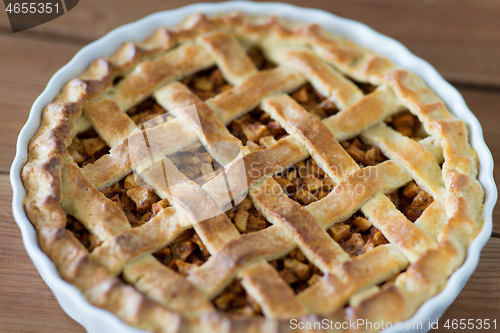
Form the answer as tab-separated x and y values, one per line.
95	319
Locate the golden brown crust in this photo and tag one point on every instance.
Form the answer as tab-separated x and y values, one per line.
267	244
83	201
229	56
42	174
235	102
128	244
276	297
326	79
100	112
254	165
100	287
434	246
148	75
367	111
368	269
163	285
301	226
419	162
319	141
212	133
356	189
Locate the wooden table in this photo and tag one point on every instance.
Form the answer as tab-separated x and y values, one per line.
460	38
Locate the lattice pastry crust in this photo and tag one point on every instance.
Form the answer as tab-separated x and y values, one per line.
156	298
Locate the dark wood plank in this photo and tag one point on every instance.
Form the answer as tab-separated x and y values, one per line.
480	298
26	65
26	302
459	37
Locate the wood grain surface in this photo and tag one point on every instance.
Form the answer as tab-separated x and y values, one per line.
461	38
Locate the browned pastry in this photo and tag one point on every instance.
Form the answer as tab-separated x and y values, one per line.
359	198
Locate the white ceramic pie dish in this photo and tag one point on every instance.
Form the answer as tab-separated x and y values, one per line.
97	320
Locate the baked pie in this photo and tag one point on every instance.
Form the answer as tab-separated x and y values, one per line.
315	180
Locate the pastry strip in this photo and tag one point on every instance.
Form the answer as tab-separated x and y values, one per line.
323	77
229	56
